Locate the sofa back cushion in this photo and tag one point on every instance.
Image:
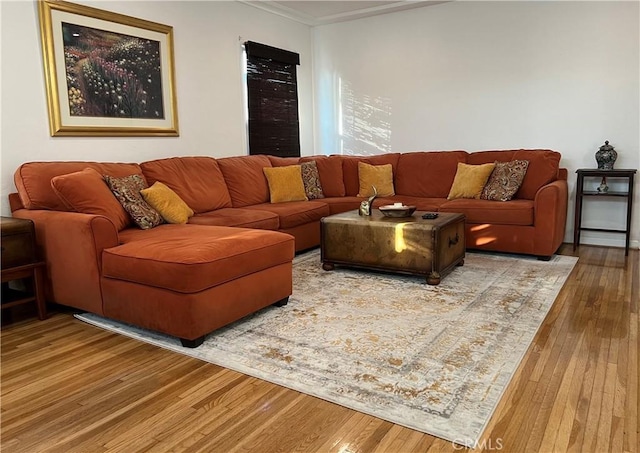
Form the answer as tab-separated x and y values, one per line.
197	180
245	179
544	165
330	172
350	169
427	173
33	180
277	161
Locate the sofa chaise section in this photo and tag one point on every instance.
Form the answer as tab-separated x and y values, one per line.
188	285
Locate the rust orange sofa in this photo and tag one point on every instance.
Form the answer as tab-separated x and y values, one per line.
235	255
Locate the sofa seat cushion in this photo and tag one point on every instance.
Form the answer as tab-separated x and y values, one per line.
514	212
295	213
342	204
238	217
543	168
189	259
197	180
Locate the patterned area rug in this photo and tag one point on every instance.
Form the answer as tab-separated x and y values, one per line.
435	359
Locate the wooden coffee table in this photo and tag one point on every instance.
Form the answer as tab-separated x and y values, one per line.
410	245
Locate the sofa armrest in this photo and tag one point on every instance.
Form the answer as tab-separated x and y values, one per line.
550	217
71	245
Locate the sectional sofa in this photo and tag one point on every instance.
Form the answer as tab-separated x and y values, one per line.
235	255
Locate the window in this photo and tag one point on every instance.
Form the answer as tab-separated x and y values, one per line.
272	97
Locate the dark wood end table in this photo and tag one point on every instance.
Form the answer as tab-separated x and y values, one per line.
581	193
20	261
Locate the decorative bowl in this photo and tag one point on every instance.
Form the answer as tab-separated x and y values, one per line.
397	211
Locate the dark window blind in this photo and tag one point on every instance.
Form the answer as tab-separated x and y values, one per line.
272	94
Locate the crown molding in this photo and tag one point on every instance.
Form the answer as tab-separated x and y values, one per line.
290	13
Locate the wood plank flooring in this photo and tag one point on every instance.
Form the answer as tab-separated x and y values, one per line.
69	387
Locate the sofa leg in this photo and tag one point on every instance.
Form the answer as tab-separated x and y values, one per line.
192	343
544	258
281	302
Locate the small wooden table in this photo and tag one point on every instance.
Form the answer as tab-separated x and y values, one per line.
20	261
581	193
410	245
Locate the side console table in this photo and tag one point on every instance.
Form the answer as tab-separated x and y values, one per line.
20	261
582	193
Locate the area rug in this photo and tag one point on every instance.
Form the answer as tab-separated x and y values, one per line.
436	359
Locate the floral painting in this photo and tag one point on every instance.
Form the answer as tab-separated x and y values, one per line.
113	75
107	73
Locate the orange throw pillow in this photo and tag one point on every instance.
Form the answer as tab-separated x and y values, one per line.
87	192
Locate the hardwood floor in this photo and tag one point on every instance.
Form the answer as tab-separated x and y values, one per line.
69	387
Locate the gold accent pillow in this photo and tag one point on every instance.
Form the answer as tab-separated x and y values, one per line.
470	180
380	176
168	203
285	183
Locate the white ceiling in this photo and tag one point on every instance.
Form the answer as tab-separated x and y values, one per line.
330	11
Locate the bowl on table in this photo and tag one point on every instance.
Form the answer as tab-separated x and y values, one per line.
397	210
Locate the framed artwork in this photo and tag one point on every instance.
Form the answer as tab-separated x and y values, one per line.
107	74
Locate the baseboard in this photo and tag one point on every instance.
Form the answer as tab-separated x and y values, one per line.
606	241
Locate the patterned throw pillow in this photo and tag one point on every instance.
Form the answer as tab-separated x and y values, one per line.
311	180
127	191
505	180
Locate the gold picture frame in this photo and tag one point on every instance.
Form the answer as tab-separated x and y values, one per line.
107	74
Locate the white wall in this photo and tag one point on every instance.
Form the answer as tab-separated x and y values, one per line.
460	75
489	75
209	84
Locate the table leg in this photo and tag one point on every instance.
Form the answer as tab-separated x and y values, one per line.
38	289
433	278
577	222
328	266
629	205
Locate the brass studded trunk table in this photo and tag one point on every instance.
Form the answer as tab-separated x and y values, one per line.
411	245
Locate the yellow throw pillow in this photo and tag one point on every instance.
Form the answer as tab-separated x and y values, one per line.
380	176
470	180
168	203
285	183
